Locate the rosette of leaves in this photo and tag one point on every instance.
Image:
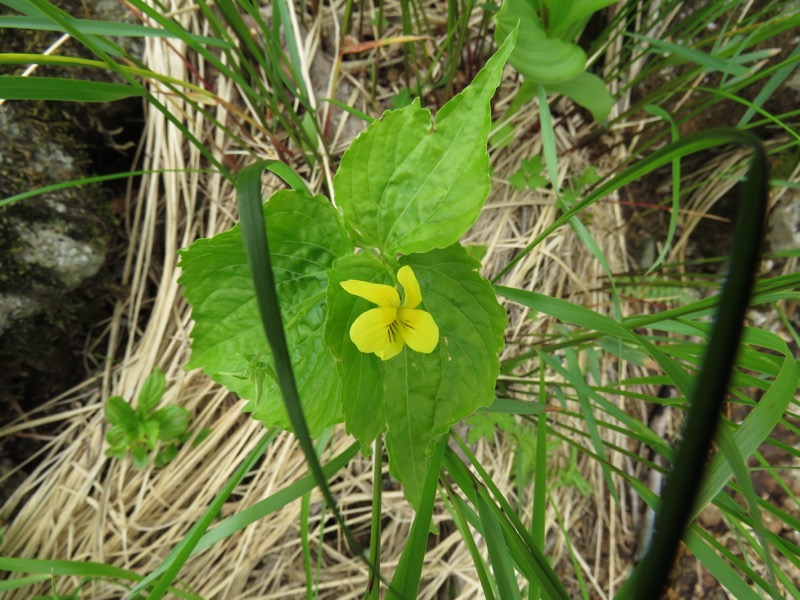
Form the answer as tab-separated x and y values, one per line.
407	189
545	52
143	430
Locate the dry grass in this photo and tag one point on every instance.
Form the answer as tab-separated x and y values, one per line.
79	505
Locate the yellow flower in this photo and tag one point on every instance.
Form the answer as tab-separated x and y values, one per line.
385	329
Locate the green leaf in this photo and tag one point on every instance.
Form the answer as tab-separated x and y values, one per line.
587	90
152	392
172	422
202	435
406	186
117	437
140	457
485	425
305	237
150	434
13	87
361	374
471	326
166	455
412	385
118	412
565	13
425	394
538	57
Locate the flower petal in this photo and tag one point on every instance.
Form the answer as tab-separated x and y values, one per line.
419	329
377	293
410	285
369	331
394	343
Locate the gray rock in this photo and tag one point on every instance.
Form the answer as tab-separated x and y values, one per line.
15	307
48	245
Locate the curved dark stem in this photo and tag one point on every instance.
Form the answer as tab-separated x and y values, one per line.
650	578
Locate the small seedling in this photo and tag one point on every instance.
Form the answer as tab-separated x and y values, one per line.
143	430
530	175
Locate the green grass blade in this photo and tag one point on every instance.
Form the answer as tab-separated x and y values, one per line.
88	181
66	567
539	508
22	6
709	62
99	46
349	109
772	84
73	568
102	28
589	319
528	558
688	145
275	502
732	581
587	414
676	187
64	22
13	87
73	61
498	552
305	517
291	44
788	128
405	582
548	139
183	550
683	485
248	196
458	508
373	590
754	429
733	457
551	161
575	564
15	584
514	407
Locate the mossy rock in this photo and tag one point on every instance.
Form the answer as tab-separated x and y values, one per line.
54	247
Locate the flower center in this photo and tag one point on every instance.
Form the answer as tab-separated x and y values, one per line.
393	331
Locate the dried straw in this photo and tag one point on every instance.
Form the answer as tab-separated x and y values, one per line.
79	505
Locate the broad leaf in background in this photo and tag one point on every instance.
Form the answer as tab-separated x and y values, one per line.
537	56
405	185
586	90
569	17
545	52
305	237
